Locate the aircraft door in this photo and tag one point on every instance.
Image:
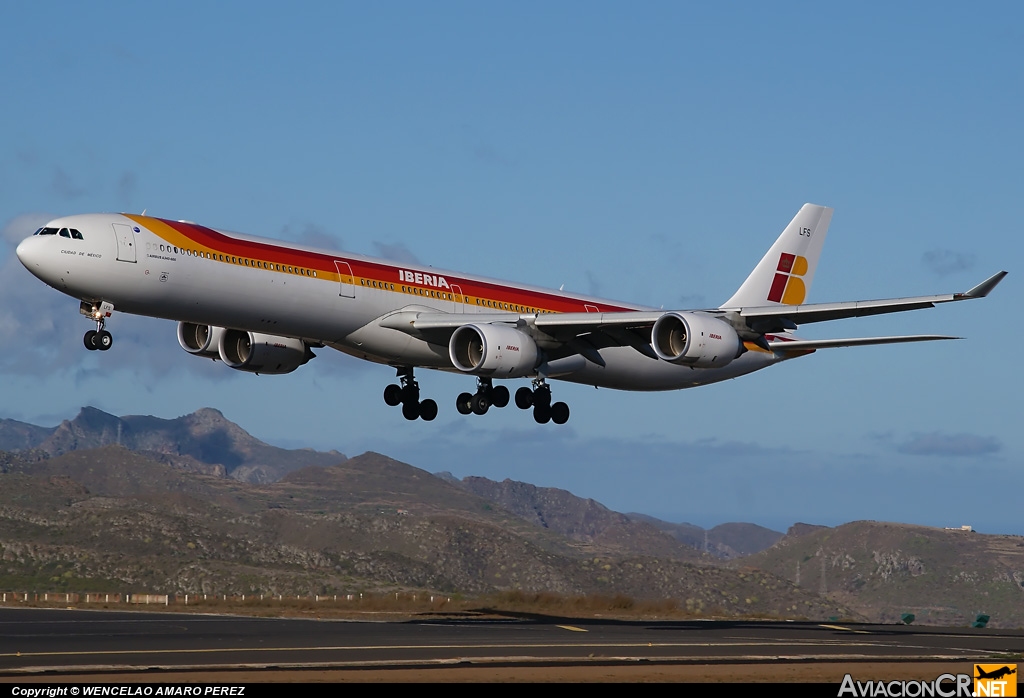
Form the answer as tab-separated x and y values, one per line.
460	300
125	242
348	281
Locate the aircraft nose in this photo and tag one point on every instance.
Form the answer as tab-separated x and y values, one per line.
24	251
30	252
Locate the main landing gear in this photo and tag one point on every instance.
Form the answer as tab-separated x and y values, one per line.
485	396
408	396
540	399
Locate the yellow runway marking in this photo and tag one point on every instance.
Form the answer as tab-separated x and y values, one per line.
572	628
849	630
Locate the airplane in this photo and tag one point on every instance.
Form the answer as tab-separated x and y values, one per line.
262	306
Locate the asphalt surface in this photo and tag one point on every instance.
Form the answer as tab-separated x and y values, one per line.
78	641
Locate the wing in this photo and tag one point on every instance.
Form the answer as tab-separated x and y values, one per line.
777	318
566	334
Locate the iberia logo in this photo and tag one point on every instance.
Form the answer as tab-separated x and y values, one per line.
995	679
788	285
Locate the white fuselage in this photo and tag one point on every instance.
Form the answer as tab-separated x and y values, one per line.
188	273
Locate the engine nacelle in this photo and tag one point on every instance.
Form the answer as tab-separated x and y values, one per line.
497	351
695	340
262	353
201	340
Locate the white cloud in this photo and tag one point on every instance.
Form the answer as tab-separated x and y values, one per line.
64	186
946	262
313	235
20	227
960	445
396	252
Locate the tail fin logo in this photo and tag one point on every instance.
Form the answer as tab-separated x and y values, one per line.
788	285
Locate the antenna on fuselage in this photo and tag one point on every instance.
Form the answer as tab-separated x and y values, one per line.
144	211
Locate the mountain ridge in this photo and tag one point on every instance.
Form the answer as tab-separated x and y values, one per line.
203	441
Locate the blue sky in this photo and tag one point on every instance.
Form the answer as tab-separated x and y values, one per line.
647	153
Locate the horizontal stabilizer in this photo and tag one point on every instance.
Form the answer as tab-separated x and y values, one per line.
805	344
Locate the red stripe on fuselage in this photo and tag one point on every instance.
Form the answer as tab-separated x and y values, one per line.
385	273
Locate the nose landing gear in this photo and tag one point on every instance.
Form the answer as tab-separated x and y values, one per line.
408	396
98	338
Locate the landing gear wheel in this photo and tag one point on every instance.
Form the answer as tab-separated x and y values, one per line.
542	414
542	396
103	340
524	398
464	403
411	410
407	394
559	413
499	396
90	340
410	392
428	410
480	404
393	395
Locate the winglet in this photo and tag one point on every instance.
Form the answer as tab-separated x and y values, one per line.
985	287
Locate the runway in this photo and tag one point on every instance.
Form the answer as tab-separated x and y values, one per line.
99	643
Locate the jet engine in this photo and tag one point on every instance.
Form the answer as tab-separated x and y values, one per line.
201	340
497	351
691	339
262	353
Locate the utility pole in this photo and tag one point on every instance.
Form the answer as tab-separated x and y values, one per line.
824	587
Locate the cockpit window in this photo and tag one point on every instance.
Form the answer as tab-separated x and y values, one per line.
63	232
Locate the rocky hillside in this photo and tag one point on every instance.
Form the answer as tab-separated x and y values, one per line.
203	441
110	519
588	523
882	570
726	541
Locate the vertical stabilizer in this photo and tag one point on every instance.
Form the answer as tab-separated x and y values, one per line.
784	274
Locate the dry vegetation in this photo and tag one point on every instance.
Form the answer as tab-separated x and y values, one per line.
397	606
